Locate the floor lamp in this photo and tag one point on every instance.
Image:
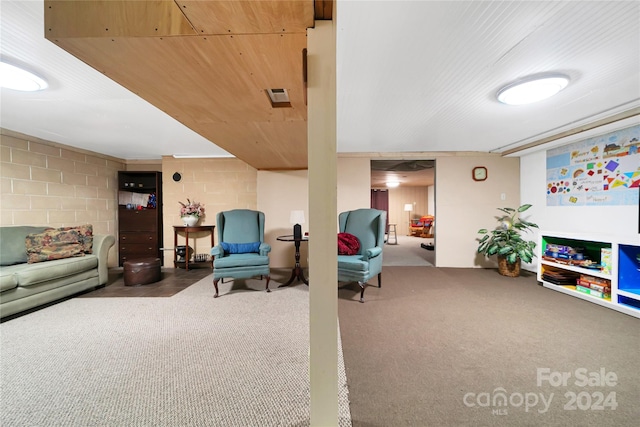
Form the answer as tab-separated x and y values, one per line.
408	207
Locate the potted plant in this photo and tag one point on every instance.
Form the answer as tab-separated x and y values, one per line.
506	241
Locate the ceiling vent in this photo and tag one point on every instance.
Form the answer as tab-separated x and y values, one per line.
279	98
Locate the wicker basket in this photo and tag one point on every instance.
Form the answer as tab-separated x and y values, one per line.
506	269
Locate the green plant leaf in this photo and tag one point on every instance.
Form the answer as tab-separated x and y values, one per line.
483	247
525	255
506	239
505	250
508	211
529	224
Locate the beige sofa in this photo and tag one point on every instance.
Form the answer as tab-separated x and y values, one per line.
24	285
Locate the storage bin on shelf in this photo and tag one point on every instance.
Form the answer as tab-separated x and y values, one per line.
603	271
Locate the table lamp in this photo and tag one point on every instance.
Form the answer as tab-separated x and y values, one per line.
297	218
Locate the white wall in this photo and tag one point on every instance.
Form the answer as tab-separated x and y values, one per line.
619	221
463	206
280	192
431	200
354	183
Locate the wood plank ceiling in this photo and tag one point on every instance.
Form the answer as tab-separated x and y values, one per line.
205	63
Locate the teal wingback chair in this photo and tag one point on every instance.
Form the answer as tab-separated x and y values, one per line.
368	225
241	252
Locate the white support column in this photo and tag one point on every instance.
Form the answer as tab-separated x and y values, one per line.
323	219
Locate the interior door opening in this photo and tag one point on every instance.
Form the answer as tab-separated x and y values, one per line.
406	190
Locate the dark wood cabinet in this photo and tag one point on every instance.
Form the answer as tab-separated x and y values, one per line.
139	228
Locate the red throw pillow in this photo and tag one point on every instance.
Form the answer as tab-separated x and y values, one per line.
348	244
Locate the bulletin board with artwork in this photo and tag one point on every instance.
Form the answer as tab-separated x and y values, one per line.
599	171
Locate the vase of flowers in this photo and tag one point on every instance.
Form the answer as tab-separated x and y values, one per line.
191	212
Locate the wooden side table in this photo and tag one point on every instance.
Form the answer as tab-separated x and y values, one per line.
177	229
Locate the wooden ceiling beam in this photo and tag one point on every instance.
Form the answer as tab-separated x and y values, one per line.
248	17
205	63
124	18
323	10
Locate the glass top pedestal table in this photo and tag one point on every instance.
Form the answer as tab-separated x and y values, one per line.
297	272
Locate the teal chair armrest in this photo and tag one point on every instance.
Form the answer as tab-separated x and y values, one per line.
372	252
265	248
217	251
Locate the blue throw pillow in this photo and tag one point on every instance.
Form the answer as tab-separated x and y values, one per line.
240	248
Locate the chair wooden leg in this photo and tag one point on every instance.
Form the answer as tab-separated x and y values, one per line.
362	286
379	280
215	285
268	279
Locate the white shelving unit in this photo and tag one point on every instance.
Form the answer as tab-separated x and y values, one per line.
624	274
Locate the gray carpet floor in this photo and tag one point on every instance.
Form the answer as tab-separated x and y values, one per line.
446	347
408	252
432	347
187	360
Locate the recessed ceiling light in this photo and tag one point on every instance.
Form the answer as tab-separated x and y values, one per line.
532	89
392	184
12	77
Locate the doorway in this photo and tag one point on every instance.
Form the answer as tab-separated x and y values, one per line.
406	190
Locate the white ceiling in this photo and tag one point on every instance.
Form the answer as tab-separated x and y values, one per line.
82	108
414	76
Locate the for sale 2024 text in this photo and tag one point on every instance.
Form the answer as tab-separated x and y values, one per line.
582	377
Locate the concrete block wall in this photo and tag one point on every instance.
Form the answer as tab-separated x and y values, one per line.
43	183
219	184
